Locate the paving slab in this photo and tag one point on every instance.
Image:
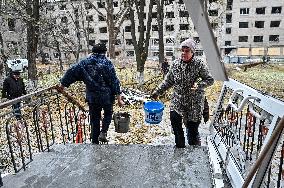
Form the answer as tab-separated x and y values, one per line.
86	165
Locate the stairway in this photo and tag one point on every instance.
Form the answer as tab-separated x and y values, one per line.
86	165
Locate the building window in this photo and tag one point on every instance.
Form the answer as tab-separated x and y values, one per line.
169	2
170	28
154	15
62	7
182	39
183	26
140	28
243	24
198	53
214	25
228	18
170	14
104	41
274	23
11	24
91	30
129	41
213	12
274	38
228	30
101	18
260	10
258	39
169	54
243	38
229	5
115	4
155	28
130	53
89	18
88	6
183	13
103	30
117	42
170	41
65	31
101	4
276	10
259	24
127	28
244	11
227	43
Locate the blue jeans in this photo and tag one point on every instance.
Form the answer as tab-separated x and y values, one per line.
95	117
193	137
17	111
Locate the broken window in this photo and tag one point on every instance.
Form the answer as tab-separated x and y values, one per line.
243	38
11	24
258	39
170	28
213	12
260	10
274	23
101	18
129	53
228	30
89	18
128	41
183	26
155	28
170	14
183	13
228	18
103	30
276	10
274	38
91	30
259	24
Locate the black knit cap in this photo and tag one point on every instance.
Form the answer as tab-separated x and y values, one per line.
99	48
16	72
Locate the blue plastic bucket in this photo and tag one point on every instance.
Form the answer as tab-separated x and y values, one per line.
153	112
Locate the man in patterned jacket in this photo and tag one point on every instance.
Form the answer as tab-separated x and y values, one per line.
102	85
189	77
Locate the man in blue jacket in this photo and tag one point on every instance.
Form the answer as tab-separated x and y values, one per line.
102	86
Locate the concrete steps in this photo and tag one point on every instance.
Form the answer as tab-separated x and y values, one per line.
85	165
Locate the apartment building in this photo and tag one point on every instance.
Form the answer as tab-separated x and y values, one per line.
254	28
251	28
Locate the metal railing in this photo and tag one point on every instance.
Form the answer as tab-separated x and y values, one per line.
34	126
244	123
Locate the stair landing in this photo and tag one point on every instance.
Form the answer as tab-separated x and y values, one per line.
85	165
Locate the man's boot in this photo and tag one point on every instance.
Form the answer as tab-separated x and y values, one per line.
102	137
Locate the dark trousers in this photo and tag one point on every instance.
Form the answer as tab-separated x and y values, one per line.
193	137
95	118
17	111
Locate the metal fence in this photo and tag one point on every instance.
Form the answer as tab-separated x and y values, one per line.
244	124
34	122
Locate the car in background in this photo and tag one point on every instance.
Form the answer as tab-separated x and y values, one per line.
17	64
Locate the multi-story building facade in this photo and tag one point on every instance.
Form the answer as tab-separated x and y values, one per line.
254	28
241	27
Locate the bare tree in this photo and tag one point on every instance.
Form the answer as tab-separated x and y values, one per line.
114	21
141	45
160	19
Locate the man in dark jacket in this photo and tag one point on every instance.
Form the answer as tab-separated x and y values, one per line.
102	86
14	87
